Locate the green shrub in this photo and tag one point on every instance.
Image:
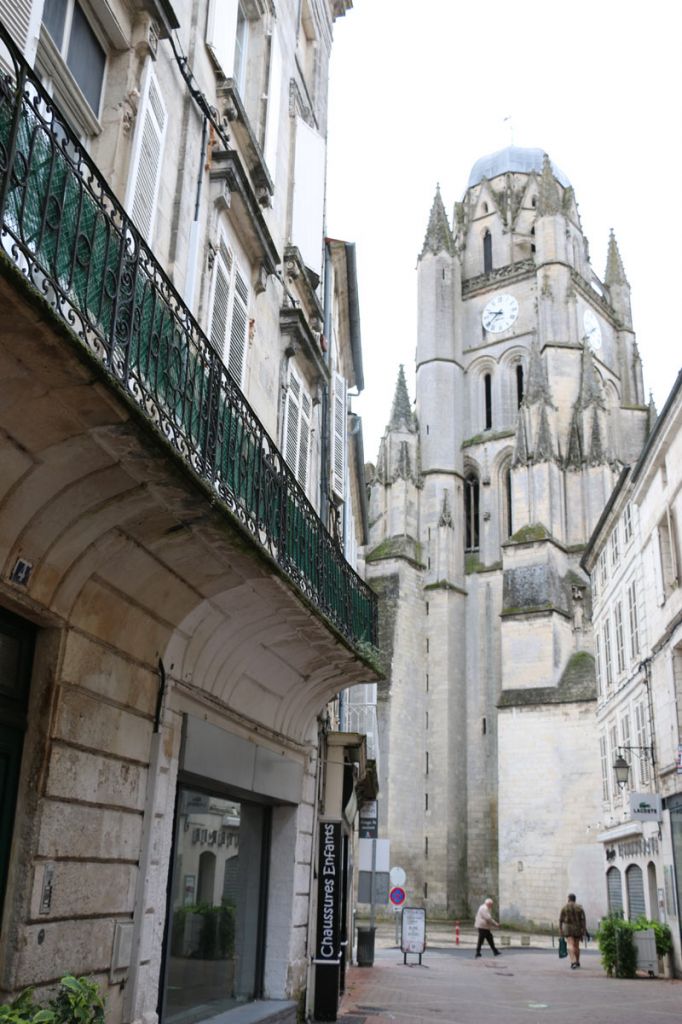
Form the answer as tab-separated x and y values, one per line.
78	1001
617	946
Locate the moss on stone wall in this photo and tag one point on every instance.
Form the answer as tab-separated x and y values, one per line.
530	533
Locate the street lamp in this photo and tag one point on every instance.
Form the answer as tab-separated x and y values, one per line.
622	768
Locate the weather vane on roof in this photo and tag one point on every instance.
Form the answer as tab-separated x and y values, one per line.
510	125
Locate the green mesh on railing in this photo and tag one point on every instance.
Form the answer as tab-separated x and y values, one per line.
68	234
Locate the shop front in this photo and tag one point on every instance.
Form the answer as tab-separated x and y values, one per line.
229	905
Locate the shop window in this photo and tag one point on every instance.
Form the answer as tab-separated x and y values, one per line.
215	940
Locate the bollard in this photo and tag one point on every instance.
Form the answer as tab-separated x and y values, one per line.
457	933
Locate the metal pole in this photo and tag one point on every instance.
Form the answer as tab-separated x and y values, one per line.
372	886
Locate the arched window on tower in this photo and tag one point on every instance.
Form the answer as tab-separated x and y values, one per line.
532	236
485	207
487	252
519	384
488	400
471	513
506	501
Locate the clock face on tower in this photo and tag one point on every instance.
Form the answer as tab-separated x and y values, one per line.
592	330
500	313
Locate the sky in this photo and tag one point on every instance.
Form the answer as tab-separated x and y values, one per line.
419	91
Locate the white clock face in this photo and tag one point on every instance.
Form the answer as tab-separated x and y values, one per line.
500	313
592	330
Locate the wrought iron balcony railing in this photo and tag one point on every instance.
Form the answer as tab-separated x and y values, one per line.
63	228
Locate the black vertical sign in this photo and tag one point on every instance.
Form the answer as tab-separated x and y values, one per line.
329	894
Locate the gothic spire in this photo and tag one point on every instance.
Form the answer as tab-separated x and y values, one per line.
597	453
590	389
438	234
574	455
537	389
652	414
549	199
615	272
543	445
401	410
520	457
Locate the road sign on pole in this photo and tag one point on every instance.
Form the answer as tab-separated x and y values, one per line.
397	896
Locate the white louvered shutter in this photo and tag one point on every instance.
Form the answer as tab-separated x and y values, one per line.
145	175
221	300
221	32
16	16
338	432
274	108
304	439
291	421
239	327
309	179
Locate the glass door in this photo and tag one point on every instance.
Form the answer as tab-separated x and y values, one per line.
216	920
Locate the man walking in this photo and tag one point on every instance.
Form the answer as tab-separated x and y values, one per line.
484	922
572	927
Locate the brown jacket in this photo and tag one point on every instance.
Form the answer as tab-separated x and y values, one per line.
572	921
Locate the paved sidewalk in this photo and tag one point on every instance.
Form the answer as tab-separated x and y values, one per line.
521	986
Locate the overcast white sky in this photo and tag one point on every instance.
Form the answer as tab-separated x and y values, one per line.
420	90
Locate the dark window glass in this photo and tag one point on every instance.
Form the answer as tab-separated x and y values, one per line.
54	15
508	502
86	59
215	940
487	252
519	385
488	392
471	506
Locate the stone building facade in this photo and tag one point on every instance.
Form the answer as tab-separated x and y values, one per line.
529	400
178	504
633	562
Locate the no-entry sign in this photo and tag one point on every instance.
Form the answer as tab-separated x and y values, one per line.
397	896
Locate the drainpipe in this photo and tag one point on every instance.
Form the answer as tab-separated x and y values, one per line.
324	412
130	992
193	245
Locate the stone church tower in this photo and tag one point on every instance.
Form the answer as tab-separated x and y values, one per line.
529	401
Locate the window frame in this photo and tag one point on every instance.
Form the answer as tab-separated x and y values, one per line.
58	77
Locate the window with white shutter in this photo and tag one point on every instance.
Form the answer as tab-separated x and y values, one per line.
296	431
338	437
239	326
642	734
16	15
229	316
221	33
274	107
147	156
308	209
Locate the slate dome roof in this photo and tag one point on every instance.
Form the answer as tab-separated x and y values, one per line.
513	158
